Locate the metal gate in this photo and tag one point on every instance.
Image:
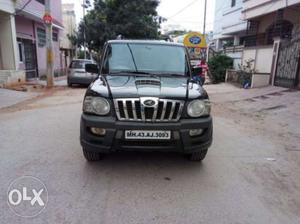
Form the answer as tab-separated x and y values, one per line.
288	66
30	59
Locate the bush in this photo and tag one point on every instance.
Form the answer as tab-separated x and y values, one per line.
218	65
245	73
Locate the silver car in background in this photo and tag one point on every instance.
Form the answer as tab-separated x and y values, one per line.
77	74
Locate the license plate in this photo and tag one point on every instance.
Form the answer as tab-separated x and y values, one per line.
80	74
139	134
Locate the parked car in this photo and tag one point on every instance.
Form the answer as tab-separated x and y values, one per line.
145	99
77	73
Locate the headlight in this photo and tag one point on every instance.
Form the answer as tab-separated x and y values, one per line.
198	108
96	105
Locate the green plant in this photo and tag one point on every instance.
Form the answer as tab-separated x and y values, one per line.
245	73
218	66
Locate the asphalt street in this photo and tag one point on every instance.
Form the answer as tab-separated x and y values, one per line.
247	177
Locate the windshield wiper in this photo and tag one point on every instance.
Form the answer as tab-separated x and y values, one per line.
136	73
172	75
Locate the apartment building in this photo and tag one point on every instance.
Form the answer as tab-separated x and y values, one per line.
69	22
229	26
23	38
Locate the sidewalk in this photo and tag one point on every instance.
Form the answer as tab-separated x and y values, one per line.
58	81
226	92
11	97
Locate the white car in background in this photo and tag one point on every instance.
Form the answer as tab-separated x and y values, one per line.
77	74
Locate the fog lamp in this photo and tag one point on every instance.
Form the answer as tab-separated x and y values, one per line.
98	131
195	132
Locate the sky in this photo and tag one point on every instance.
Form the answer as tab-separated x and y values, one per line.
180	14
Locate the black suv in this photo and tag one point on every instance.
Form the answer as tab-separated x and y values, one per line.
145	99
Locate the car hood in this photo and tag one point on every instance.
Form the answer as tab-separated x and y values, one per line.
136	86
122	86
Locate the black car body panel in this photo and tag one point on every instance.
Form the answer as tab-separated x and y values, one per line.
128	86
114	140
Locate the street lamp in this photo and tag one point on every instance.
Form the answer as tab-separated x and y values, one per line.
85	5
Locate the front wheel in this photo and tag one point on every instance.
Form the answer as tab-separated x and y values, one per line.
198	156
92	156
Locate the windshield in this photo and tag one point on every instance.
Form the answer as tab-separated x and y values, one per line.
79	64
146	58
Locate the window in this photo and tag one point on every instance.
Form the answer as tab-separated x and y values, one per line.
41	34
41	1
233	3
55	37
79	64
21	52
153	58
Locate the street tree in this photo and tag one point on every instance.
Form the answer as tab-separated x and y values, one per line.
133	19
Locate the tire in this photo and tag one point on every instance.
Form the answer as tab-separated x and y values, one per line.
91	156
198	156
69	84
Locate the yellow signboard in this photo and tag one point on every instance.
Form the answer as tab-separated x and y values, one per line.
194	40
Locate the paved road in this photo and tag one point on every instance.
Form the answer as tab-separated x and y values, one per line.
246	177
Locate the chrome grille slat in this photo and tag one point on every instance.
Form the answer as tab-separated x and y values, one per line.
154	114
125	110
131	109
143	113
172	111
163	110
134	110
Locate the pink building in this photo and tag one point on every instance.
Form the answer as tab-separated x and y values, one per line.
31	36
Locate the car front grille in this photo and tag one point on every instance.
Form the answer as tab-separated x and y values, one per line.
132	109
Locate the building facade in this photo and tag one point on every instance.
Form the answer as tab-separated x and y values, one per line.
270	19
23	37
31	36
69	22
263	32
274	30
9	66
229	26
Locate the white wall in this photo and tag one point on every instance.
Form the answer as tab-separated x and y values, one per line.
260	80
69	22
262	64
262	57
8	42
7	6
237	59
228	19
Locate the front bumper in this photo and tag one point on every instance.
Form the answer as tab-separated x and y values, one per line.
114	140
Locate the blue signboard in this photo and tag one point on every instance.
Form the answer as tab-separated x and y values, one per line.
195	40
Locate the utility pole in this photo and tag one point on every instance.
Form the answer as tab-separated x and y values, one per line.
48	22
204	23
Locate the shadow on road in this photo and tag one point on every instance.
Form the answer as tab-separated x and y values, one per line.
167	166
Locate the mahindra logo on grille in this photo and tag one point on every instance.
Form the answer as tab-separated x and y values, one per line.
149	102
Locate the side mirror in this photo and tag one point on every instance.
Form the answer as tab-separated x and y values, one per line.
91	68
197	75
196	71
